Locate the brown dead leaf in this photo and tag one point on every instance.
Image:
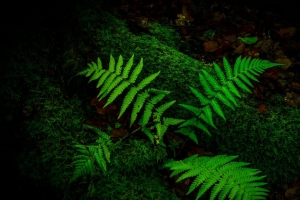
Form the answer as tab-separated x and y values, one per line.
218	16
262	108
286	32
187	16
100	104
210	46
264	45
286	61
291	192
295	86
240	49
99	124
230	37
292	99
117	133
251	53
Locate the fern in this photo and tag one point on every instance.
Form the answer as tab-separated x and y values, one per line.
224	89
226	177
161	124
91	156
115	81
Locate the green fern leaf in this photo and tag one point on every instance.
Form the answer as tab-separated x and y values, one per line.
225	100
127	100
215	105
211	80
103	78
228	95
147	114
106	152
96	75
172	121
207	116
161	109
136	72
195	110
228	69
107	83
117	91
241	85
119	65
147	80
127	68
188	132
203	100
148	134
195	122
112	86
227	178
140	100
111	66
208	90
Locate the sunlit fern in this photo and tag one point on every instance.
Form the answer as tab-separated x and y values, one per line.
223	90
226	177
115	80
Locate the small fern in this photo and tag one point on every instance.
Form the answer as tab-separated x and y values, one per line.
91	156
223	90
227	178
161	124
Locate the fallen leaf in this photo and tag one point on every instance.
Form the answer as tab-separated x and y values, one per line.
292	99
99	105
286	61
117	133
286	32
295	86
185	13
262	108
292	193
270	73
210	46
240	49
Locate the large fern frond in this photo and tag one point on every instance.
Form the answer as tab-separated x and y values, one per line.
224	89
226	177
115	81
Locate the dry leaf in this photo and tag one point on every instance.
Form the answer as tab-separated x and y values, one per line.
185	13
292	99
286	32
286	61
210	46
240	49
262	109
117	133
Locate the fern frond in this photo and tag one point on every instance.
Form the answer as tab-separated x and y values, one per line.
127	68
147	80
140	100
223	90
83	164
148	109
160	110
226	177
136	72
89	155
188	132
111	66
